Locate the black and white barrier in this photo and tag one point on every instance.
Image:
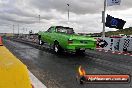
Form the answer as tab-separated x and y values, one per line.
115	44
125	45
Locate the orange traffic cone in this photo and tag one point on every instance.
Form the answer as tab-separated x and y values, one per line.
1	41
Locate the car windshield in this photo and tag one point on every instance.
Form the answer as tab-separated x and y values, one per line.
66	30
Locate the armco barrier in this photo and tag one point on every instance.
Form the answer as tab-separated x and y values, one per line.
13	73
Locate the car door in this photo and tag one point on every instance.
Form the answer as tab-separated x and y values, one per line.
45	35
49	35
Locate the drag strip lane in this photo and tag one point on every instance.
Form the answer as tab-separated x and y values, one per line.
60	71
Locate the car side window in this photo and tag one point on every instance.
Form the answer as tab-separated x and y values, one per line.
61	30
49	30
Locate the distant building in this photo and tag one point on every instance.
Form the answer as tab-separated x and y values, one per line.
6	34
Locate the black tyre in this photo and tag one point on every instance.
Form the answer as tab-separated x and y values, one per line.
40	41
80	52
57	48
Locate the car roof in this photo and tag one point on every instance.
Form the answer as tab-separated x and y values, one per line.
62	27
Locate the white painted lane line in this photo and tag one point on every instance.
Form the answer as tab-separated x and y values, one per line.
35	82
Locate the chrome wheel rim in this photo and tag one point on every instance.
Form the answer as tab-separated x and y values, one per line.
40	42
56	49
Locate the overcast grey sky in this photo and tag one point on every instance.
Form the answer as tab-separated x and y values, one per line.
85	15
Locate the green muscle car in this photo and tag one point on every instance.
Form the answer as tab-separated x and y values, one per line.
64	38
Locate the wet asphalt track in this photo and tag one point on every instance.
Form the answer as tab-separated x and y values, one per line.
60	71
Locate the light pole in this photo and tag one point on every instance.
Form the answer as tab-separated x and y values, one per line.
18	29
13	29
39	18
103	32
68	11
